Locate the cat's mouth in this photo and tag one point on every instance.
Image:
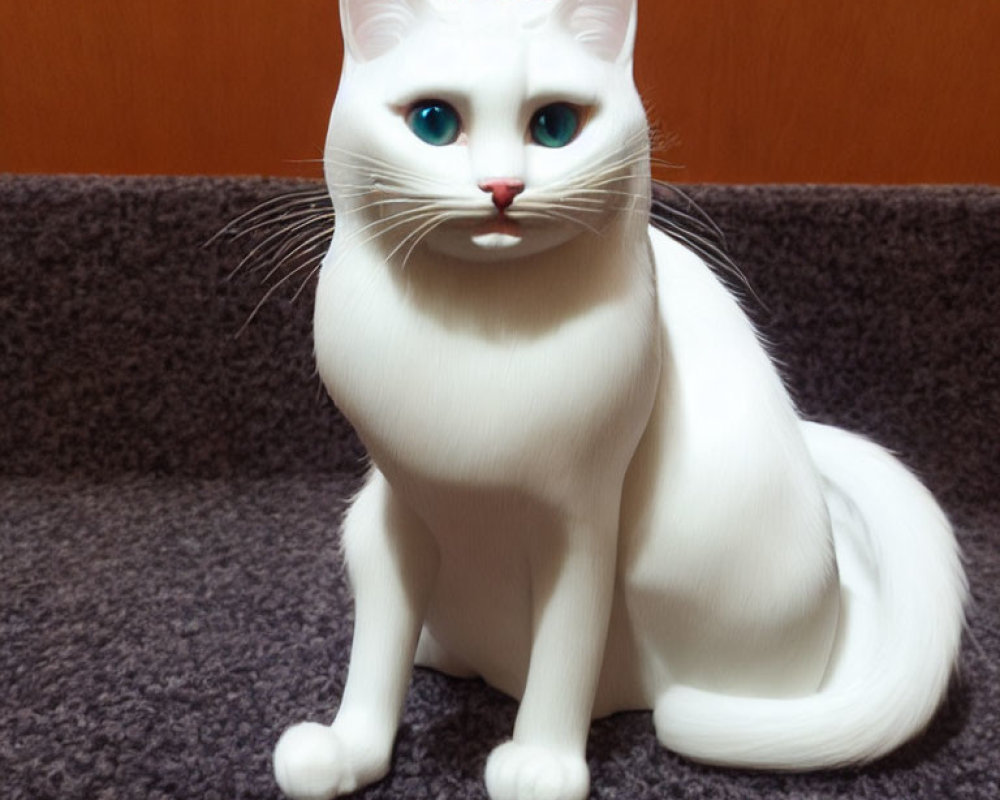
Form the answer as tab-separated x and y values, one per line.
499	236
500	223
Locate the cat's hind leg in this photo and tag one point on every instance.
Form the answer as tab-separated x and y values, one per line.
391	562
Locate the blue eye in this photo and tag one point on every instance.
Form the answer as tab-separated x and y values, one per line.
435	122
555	125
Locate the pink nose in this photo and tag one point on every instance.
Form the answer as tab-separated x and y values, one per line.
503	190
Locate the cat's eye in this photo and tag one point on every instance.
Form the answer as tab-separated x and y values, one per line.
555	125
434	122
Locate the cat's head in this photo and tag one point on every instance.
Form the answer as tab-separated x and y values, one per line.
486	129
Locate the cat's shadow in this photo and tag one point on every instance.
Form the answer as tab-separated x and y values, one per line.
452	724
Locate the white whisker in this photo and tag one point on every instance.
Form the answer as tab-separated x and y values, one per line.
422	233
308	279
272	208
273	246
267	296
309	244
304	218
390	223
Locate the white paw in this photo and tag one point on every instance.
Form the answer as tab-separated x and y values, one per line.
315	762
526	772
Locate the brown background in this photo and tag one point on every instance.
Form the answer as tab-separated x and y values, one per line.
876	91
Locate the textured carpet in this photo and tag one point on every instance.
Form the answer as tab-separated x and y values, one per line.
171	594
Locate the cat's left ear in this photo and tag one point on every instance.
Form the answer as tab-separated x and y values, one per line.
605	27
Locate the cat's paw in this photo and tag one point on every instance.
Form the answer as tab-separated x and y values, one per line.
317	762
526	772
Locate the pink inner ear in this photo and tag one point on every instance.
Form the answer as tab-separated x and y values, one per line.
373	27
606	27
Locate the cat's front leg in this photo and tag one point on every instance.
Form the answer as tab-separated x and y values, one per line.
391	562
572	586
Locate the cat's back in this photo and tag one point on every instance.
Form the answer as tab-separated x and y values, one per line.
721	404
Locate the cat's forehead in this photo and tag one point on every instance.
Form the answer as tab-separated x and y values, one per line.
493	60
507	32
505	17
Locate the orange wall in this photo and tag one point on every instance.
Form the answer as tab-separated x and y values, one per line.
748	90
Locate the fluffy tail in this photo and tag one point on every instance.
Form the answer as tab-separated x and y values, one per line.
901	626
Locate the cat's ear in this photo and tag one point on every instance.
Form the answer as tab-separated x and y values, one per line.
606	27
374	27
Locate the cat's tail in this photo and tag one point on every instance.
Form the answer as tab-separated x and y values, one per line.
901	624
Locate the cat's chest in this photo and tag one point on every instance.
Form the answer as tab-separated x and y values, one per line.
431	393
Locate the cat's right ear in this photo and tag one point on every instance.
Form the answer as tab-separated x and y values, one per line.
374	27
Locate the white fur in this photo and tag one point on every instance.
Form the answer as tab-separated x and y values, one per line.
590	486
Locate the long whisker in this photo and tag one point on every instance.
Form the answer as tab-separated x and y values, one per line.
390	223
575	220
317	265
422	233
309	215
433	217
424	218
291	234
697	212
597	196
703	237
419	216
270	243
292	230
269	209
267	296
630	158
602	174
311	243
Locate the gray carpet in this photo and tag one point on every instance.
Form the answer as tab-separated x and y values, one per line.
171	594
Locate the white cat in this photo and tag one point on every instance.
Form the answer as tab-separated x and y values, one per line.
590	486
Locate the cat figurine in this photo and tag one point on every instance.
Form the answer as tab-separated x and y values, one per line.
589	485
